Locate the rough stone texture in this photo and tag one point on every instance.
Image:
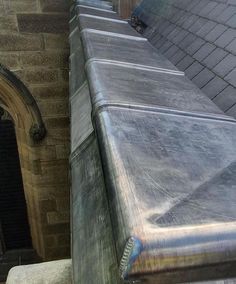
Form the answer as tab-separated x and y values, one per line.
42	23
196	36
34	46
55	272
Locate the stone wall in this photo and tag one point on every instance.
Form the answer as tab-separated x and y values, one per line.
34	46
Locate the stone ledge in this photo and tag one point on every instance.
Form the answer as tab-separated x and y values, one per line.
53	272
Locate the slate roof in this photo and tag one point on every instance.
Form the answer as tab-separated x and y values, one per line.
199	37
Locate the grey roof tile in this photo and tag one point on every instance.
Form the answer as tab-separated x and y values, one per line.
158	43
189	39
177	16
231	77
226	65
193	70
177	56
232	46
156	38
216	11
190	21
204	51
195	46
226	38
216	32
165	46
196	26
202	78
171	51
174	33
226	98
197	8
183	18
215	57
226	14
163	25
214	87
206	28
180	36
207	8
185	63
232	111
168	29
232	21
191	5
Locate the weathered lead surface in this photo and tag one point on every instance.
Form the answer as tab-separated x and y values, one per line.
153	163
134	50
105	24
172	187
153	88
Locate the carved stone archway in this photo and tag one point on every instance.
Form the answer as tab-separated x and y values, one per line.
30	131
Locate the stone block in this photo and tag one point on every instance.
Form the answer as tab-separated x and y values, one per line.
50	91
57	122
63	151
56	41
47	205
39	75
63	240
50	241
56	190
43	153
57	228
63	204
58	136
9	59
64	74
57	253
52	59
58	217
8	23
54	5
35	167
53	108
43	23
19	6
20	42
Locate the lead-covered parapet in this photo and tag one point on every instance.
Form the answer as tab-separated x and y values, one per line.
153	162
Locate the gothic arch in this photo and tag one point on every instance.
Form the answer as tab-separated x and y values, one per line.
16	99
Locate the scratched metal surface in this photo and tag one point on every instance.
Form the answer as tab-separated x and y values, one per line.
107	5
172	185
81	9
108	25
93	251
153	88
153	164
134	50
